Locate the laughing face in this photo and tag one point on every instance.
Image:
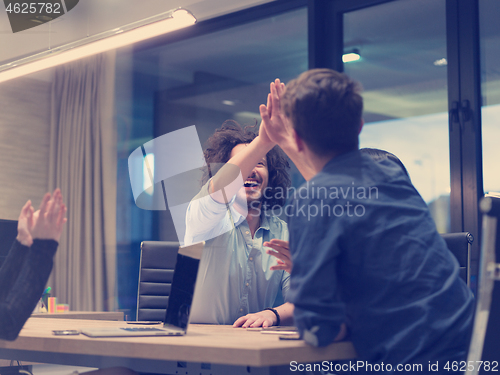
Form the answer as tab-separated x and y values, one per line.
257	181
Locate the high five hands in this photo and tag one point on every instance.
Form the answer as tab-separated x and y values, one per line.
46	223
274	122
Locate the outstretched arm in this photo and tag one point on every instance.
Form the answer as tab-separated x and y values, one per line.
23	284
279	129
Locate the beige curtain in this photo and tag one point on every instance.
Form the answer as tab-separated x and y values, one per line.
83	165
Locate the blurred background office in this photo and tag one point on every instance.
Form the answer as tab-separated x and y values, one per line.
430	71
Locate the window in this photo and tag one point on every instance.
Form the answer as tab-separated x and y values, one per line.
203	81
403	70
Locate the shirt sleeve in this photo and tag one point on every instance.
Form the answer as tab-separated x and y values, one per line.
285	279
314	244
207	218
285	285
27	284
10	268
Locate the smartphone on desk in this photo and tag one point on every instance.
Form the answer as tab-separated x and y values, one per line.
290	337
66	332
280	330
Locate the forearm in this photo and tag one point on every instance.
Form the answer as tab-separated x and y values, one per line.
317	329
243	162
204	217
286	313
11	267
27	289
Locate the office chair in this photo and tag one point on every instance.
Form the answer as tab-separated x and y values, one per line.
460	245
157	266
484	343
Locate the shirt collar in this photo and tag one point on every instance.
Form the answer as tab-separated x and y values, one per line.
264	221
341	159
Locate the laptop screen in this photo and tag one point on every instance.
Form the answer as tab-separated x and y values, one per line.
8	233
183	283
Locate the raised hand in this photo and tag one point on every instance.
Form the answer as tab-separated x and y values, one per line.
262	130
274	122
49	220
278	128
280	250
24	224
46	223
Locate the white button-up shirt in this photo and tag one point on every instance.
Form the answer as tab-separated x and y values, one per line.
234	278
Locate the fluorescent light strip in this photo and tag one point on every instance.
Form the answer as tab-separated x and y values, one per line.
350	57
129	34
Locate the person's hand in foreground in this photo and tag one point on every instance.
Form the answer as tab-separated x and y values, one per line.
46	223
280	250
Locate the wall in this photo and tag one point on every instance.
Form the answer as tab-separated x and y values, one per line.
24	143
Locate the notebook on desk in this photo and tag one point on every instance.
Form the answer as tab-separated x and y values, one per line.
179	303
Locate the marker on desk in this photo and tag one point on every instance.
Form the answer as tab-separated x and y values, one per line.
52	305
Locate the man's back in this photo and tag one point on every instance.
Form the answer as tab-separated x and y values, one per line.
366	238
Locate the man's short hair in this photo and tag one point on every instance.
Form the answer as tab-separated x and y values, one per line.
325	108
219	147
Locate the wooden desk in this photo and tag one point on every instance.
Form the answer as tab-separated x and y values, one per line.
226	349
92	315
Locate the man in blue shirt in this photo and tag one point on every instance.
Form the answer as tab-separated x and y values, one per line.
367	258
235	283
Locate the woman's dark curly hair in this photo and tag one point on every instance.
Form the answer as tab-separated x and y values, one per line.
219	147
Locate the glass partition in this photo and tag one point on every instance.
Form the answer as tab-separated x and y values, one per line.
490	88
403	70
200	81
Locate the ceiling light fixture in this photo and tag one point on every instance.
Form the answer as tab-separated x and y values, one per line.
132	33
351	56
441	62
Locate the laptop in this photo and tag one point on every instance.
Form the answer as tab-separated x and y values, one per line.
8	233
179	301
